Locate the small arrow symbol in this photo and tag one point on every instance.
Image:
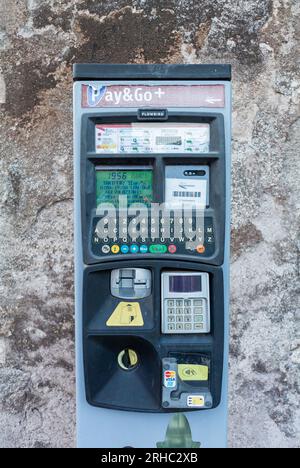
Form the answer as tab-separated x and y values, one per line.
186	186
213	100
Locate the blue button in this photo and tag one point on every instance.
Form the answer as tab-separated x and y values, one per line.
134	249
124	249
144	249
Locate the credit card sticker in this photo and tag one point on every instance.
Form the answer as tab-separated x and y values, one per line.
170	379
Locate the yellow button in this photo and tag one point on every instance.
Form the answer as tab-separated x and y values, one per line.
200	249
115	249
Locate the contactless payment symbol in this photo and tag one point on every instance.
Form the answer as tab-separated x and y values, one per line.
192	372
95	94
170	380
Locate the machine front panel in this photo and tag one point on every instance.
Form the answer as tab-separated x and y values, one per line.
152	172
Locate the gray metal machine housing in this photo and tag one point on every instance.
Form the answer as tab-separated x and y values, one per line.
145	420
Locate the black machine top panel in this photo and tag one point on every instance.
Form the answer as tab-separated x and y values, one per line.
88	71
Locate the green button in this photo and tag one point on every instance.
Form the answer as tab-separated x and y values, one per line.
158	248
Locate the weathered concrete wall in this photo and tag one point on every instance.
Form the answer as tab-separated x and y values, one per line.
40	39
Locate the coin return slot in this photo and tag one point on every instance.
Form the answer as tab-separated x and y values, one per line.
128	359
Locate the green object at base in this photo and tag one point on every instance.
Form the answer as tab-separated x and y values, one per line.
179	434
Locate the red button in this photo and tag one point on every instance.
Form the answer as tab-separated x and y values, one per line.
200	249
172	249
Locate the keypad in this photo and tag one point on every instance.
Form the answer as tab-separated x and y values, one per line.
185	316
154	236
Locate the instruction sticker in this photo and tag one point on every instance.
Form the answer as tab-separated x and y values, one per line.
170	379
180	191
106	140
144	138
126	314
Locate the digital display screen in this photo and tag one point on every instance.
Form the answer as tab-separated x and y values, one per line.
135	183
185	284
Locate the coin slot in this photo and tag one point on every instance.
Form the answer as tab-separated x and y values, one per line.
128	359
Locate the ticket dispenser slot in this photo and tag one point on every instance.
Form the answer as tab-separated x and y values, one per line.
131	283
152	177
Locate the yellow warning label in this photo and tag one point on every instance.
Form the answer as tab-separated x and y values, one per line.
126	314
192	372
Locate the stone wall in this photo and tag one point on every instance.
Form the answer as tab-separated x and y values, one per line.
40	39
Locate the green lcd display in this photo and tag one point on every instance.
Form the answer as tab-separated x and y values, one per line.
137	184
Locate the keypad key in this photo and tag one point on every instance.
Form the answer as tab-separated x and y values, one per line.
187	302
179	318
171	318
171	326
106	249
198	318
198	326
172	249
188	318
188	326
198	302
171	303
171	311
158	248
198	310
179	326
179	303
187	310
179	310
